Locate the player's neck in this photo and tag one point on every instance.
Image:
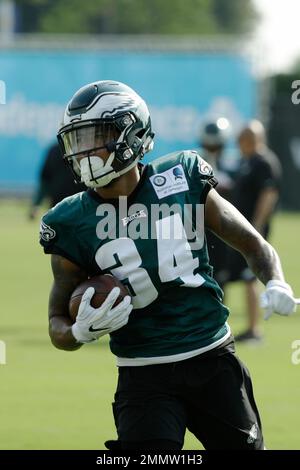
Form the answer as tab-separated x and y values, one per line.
122	186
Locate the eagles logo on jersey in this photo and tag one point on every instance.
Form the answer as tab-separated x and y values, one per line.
46	233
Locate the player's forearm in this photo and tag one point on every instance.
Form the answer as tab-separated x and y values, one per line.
229	224
60	333
66	277
264	262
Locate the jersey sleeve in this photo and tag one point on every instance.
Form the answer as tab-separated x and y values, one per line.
200	174
58	235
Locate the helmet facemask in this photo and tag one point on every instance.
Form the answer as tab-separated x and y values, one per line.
124	139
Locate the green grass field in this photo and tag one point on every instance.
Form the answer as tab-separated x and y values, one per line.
53	399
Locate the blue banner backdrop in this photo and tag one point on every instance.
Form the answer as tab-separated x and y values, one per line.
183	90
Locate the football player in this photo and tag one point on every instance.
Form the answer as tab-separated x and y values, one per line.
175	352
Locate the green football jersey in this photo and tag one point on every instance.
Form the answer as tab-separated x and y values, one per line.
154	242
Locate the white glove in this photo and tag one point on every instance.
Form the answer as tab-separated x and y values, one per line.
278	298
92	323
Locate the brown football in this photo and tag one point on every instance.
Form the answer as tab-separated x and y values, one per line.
102	284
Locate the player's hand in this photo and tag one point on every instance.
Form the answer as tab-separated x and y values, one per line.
278	298
92	323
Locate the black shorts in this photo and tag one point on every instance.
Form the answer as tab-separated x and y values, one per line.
210	394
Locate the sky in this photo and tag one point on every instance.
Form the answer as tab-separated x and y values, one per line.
277	37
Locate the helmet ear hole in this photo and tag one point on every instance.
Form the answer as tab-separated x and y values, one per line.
140	133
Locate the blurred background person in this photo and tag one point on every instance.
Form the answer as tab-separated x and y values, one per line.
212	142
255	194
55	181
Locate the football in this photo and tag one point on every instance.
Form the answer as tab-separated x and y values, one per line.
102	284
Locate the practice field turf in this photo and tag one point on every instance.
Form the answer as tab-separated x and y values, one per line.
53	399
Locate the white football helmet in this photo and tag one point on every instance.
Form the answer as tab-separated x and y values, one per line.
104	115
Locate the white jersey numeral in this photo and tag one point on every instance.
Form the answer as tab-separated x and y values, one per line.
174	253
175	261
122	259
